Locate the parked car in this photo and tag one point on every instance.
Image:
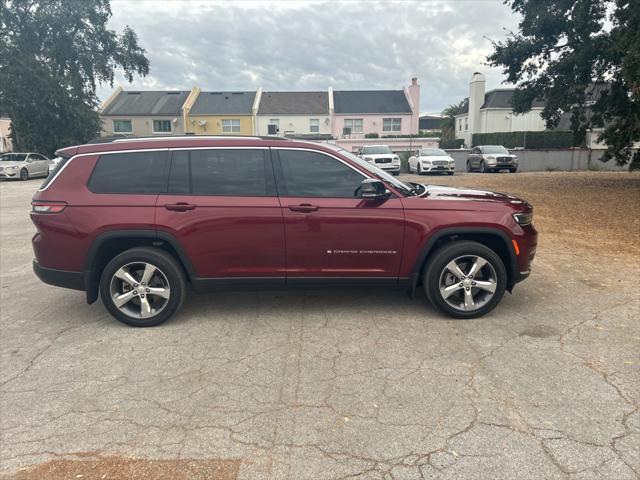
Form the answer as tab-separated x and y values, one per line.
382	157
431	160
23	166
489	158
137	221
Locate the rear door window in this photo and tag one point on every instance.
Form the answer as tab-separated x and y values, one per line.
222	172
135	172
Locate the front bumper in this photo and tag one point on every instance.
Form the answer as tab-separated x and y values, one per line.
437	168
10	174
60	278
388	167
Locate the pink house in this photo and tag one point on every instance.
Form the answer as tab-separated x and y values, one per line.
385	112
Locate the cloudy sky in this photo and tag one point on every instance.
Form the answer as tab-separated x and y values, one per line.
292	45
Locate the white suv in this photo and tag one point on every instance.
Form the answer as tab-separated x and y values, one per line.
382	157
432	160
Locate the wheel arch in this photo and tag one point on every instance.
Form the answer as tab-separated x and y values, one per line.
494	238
109	244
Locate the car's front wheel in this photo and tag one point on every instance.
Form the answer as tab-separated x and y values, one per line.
483	167
142	287
24	174
465	279
469	170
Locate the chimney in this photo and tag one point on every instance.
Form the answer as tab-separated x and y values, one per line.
476	100
414	101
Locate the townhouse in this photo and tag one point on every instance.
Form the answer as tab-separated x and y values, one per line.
321	115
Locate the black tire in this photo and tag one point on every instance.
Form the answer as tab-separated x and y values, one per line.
469	169
419	169
449	173
161	260
513	170
445	254
24	174
483	167
395	174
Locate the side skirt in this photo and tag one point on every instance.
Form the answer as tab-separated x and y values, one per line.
240	284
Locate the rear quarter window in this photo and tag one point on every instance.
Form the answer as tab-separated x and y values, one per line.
136	172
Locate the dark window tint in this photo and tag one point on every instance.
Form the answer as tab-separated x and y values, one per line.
140	172
179	176
310	174
242	173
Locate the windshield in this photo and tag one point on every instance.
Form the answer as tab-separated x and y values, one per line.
382	175
494	149
433	152
13	157
376	150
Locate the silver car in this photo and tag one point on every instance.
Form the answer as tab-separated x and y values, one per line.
23	165
490	158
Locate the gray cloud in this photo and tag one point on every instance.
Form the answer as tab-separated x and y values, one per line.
304	46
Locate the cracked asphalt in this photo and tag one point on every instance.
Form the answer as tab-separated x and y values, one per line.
329	384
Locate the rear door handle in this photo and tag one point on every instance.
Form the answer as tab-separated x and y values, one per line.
304	207
180	206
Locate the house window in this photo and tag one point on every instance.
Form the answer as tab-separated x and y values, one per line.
162	126
355	124
391	124
231	125
314	125
459	124
466	123
122	126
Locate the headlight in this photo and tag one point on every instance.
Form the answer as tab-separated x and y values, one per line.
451	161
491	157
367	159
426	162
396	159
525	218
11	168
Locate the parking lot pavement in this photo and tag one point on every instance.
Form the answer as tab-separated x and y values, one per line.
337	383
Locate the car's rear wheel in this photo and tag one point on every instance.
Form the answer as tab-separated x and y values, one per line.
465	279
24	174
143	287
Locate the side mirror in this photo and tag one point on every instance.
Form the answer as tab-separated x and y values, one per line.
372	189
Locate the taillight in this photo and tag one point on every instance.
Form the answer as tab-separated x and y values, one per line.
48	207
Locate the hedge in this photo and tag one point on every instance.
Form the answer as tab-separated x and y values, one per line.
452	144
528	140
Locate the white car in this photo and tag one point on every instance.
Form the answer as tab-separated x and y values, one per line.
23	165
431	160
382	157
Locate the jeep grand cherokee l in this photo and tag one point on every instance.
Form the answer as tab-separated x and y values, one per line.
139	221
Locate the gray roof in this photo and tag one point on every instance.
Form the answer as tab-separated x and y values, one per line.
223	103
294	103
134	103
498	98
370	101
430	122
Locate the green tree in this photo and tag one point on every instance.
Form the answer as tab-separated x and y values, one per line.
448	125
53	54
569	52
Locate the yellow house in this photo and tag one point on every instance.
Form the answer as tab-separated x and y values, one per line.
219	113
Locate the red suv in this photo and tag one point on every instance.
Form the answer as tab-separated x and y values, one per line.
140	220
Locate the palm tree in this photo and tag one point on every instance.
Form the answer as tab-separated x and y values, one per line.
448	125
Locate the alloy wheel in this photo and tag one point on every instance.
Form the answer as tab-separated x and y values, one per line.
140	290
468	282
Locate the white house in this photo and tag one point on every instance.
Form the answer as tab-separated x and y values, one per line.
488	112
303	114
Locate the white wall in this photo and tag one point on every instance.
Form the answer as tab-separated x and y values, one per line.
293	123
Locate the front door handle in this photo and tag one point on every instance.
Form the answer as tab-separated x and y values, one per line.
304	207
180	206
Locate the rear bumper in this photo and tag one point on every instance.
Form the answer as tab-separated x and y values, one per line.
60	278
